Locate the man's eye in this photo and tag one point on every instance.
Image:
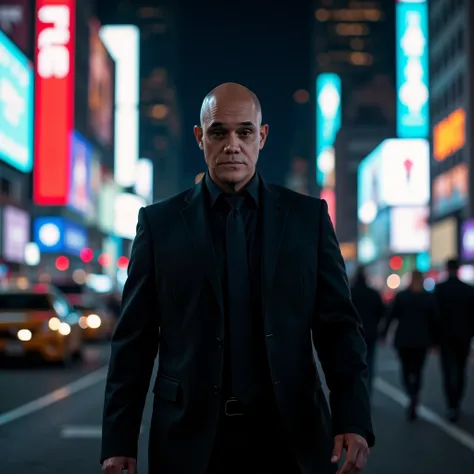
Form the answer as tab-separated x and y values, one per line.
246	133
217	133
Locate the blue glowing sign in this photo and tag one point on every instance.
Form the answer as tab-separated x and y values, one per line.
58	235
412	70
328	121
16	107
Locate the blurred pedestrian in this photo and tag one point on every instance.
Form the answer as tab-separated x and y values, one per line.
456	305
415	311
238	274
371	309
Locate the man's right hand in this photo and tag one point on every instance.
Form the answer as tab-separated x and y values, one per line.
118	464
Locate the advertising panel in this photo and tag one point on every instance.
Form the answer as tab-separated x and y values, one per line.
467	240
412	69
449	135
374	238
127	207
450	191
328	120
16	107
15	18
95	188
144	179
54	118
101	88
444	237
396	173
16	234
107	196
59	235
409	229
122	42
79	188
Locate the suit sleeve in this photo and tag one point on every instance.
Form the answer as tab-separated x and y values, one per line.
339	341
133	351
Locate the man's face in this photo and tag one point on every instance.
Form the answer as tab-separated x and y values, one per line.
231	137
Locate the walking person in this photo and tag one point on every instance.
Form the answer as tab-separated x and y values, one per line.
415	311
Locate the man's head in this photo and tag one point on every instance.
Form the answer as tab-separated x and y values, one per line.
231	134
452	267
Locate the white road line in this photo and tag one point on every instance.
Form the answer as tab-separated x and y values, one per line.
458	434
61	393
83	431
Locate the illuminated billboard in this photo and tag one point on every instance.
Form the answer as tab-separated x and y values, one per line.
16	107
57	235
412	69
54	117
449	136
122	42
101	88
126	211
450	191
328	122
79	198
396	173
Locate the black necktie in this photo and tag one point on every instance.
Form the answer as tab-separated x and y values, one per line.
240	310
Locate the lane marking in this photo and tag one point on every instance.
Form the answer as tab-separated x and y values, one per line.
60	394
458	434
83	431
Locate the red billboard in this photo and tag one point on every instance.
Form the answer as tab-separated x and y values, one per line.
54	103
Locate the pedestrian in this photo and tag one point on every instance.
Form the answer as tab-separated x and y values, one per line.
456	305
230	280
371	309
416	313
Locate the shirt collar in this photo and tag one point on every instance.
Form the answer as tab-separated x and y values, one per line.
251	189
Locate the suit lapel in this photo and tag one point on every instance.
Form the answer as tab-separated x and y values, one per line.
275	214
197	223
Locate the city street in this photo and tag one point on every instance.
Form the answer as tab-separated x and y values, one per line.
50	422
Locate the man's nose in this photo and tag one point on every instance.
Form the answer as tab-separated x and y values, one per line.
232	145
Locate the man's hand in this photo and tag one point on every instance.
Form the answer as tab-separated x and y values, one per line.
357	452
118	464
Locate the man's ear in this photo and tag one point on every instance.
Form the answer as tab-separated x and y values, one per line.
198	134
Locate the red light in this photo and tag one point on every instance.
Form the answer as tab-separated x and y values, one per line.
86	255
122	263
62	263
104	259
54	103
396	263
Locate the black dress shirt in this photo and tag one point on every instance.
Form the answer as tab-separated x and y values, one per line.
251	214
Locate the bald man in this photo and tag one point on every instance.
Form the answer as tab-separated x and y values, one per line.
233	282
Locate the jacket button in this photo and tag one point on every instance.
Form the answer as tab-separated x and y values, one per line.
220	344
216	389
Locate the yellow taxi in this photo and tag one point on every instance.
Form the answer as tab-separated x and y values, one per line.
39	321
96	321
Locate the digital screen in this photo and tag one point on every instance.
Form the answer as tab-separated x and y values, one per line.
16	234
54	117
450	191
80	185
328	120
58	235
467	240
396	173
412	70
127	207
409	229
101	88
449	135
123	44
16	107
374	238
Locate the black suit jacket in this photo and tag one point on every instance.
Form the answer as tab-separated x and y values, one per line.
172	300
